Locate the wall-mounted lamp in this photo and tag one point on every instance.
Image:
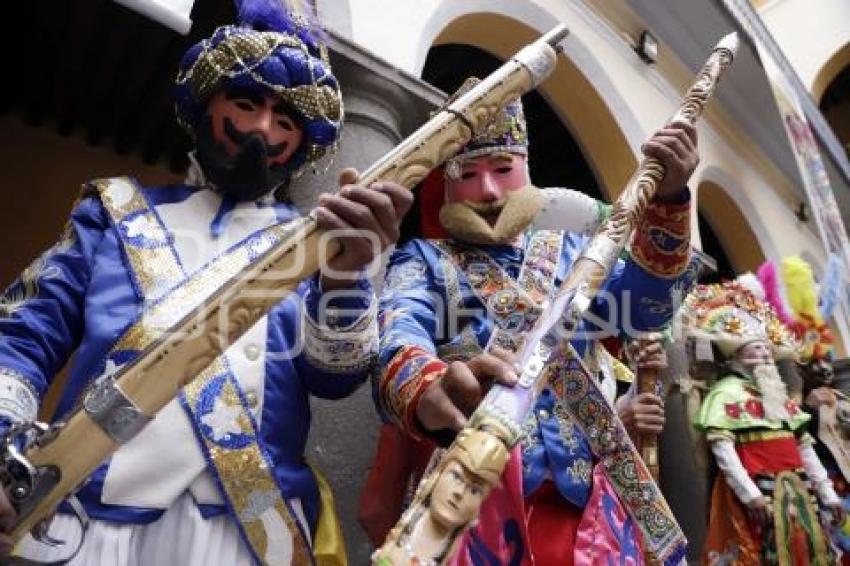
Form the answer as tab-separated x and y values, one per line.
647	47
801	213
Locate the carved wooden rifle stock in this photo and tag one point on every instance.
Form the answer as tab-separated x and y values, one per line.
55	461
503	409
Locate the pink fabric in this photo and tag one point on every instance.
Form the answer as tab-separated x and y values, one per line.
500	537
769	276
607	534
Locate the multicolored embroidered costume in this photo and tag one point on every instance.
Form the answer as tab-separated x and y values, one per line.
219	476
759	454
789	286
444	300
432	285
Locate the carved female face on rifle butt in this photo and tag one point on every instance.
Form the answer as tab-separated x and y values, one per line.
457	496
473	467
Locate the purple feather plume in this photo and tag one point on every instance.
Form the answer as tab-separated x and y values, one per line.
769	276
294	17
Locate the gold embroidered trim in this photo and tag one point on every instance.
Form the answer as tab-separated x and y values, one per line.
760	435
243	472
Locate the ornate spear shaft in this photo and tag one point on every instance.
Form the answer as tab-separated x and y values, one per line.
425	532
648	382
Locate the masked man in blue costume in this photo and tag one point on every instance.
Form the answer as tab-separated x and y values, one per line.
496	249
219	476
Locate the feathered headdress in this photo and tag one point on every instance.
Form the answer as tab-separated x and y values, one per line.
276	48
792	292
730	317
774	290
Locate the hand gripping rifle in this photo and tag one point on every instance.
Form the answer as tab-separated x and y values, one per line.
41	466
482	448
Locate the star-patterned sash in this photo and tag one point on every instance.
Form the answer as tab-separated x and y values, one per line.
214	401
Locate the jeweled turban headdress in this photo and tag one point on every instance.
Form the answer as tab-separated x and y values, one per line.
507	132
274	49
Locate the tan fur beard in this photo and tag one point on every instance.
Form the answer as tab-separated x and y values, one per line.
466	221
774	392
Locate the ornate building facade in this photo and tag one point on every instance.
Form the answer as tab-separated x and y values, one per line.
105	108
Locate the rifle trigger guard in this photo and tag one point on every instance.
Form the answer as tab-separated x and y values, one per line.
40	534
115	413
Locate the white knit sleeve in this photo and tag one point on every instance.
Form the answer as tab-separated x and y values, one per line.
817	475
733	470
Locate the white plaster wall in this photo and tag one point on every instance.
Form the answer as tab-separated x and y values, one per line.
773	223
639	97
809	31
406	30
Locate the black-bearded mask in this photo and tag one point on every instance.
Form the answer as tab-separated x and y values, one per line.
246	175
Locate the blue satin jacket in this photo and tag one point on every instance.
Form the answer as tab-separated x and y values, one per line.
80	296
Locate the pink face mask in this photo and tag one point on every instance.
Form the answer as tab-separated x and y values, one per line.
488	178
758	351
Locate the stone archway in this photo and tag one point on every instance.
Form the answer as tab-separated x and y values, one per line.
825	76
831	89
568	91
730	226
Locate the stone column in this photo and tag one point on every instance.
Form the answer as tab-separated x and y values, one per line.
382	106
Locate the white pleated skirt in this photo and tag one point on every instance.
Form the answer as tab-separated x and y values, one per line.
181	537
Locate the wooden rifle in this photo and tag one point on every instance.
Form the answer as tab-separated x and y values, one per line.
42	466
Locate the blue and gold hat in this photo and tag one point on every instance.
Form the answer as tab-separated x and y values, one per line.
507	132
275	49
